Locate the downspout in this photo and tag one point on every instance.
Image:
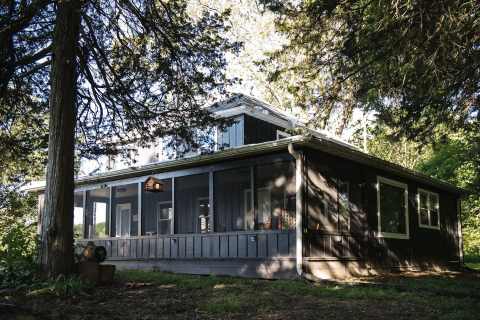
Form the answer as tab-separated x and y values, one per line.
298	206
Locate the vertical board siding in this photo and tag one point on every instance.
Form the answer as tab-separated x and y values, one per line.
254	244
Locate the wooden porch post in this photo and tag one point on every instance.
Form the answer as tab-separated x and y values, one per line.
299	183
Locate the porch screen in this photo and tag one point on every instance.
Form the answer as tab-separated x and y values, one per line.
191	204
157	210
125	210
275	195
78	216
232	200
98	213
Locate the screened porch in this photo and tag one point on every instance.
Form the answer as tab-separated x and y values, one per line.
204	212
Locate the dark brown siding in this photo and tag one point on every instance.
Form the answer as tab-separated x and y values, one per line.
328	239
256	130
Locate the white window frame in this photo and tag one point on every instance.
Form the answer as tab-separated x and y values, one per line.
429	225
282	134
397	184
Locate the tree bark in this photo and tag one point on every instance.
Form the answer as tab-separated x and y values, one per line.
56	249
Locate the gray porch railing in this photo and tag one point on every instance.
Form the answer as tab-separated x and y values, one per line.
242	244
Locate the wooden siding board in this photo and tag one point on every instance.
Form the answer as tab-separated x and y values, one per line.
233	246
114	248
283	249
272	244
292	243
205	246
198	247
182	247
174	247
224	246
152	252
252	246
214	246
262	246
159	247
167	251
108	247
242	245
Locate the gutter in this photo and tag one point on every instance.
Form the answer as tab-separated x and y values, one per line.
298	155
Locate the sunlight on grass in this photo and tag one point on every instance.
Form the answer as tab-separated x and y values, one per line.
473	265
447	296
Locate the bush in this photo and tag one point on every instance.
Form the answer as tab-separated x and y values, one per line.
18	242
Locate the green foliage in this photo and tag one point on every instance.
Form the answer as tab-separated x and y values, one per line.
457	160
17	239
415	62
383	143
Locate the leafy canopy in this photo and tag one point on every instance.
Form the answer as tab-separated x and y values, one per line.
415	62
145	69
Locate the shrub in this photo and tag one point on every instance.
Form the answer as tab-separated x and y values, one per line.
17	239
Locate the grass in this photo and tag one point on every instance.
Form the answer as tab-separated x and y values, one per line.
448	296
157	295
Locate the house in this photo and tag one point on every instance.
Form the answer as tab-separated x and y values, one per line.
271	205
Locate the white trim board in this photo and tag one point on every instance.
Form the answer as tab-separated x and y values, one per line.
403	186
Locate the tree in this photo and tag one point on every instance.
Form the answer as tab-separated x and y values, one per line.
415	62
456	159
383	143
118	71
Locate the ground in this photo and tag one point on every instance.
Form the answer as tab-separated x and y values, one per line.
156	295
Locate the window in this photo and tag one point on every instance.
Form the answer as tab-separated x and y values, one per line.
282	134
428	209
98	212
78	216
157	210
125	210
392	209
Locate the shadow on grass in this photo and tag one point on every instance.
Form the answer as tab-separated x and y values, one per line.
452	295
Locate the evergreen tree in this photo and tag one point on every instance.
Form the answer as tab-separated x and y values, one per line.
103	73
415	62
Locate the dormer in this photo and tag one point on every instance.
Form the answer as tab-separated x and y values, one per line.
255	122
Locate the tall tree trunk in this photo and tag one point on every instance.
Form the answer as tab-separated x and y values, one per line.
56	252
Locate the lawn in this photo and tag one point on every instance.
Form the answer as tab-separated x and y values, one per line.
156	295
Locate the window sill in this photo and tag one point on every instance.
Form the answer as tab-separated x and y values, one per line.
425	226
392	235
